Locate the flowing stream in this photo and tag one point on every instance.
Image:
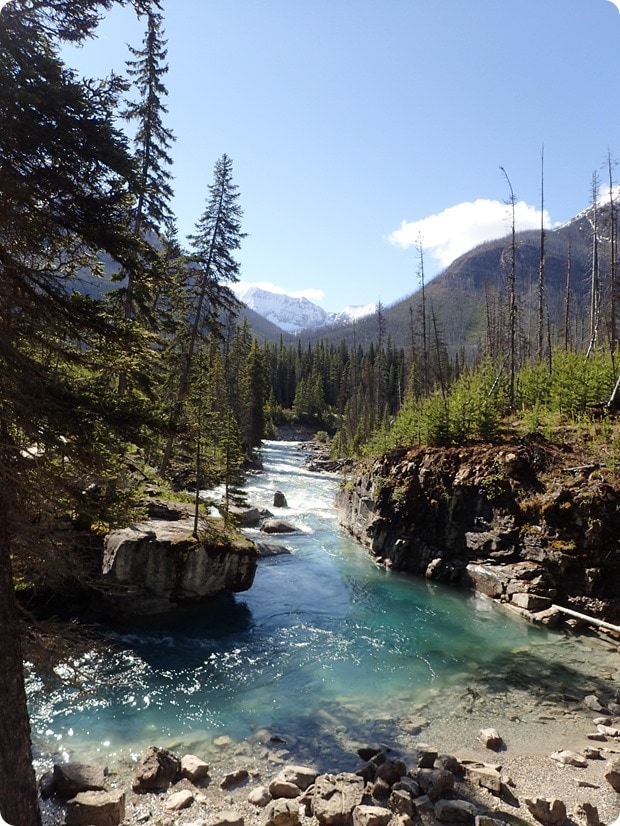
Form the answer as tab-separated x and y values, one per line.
324	653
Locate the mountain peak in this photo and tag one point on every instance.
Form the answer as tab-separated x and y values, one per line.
293	314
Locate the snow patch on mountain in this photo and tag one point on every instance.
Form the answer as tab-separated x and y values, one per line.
294	314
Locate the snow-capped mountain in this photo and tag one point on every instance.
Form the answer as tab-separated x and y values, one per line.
295	314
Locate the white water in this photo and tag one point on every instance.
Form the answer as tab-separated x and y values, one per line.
325	650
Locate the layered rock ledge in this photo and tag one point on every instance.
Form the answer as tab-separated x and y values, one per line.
153	566
525	522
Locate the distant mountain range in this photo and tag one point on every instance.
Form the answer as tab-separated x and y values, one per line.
467	294
296	314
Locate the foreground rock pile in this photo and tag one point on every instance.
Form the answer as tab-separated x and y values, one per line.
426	789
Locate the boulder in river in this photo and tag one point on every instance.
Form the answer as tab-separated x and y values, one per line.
277	526
161	564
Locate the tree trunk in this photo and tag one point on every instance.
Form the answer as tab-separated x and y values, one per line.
18	789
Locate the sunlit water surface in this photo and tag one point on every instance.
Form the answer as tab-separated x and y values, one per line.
325	648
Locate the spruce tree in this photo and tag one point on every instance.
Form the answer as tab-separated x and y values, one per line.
65	178
151	215
218	235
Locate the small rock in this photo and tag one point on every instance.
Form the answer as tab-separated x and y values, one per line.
490	738
371	816
426	757
596	735
593	703
486	820
547	812
193	768
283	788
391	771
222	741
228	818
409	785
484	776
179	800
47	785
401	802
455	811
282	812
300	776
612	774
434	782
235	779
449	763
259	797
569	758
424	807
368	752
592	754
608	731
587	815
96	808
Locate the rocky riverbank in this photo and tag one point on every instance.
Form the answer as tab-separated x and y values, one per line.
526	522
572	778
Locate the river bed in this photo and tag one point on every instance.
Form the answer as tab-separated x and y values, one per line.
326	652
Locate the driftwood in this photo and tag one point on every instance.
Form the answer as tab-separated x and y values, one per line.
592	620
582	468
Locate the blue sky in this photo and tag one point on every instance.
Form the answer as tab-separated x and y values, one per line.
356	125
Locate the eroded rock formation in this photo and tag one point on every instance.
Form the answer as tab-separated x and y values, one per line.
526	522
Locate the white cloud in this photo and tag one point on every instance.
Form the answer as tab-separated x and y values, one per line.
310	293
462	227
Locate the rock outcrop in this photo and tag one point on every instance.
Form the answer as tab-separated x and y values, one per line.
153	566
524	523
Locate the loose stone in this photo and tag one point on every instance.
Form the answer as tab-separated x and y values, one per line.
96	808
569	758
179	800
490	738
455	811
547	812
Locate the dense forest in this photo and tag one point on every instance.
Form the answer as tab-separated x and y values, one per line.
122	352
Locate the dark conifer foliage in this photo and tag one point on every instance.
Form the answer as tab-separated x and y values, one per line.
65	186
152	139
213	266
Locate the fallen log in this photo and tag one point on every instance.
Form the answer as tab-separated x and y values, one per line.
592	620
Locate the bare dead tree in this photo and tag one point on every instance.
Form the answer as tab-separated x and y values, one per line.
425	372
541	263
595	285
567	294
512	293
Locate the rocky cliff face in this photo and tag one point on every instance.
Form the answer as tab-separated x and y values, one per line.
526	522
153	566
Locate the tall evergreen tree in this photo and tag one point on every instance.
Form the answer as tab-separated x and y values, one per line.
64	173
152	213
218	235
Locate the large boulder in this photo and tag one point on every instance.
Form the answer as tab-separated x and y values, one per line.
161	564
282	812
156	771
277	526
335	798
96	808
72	778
